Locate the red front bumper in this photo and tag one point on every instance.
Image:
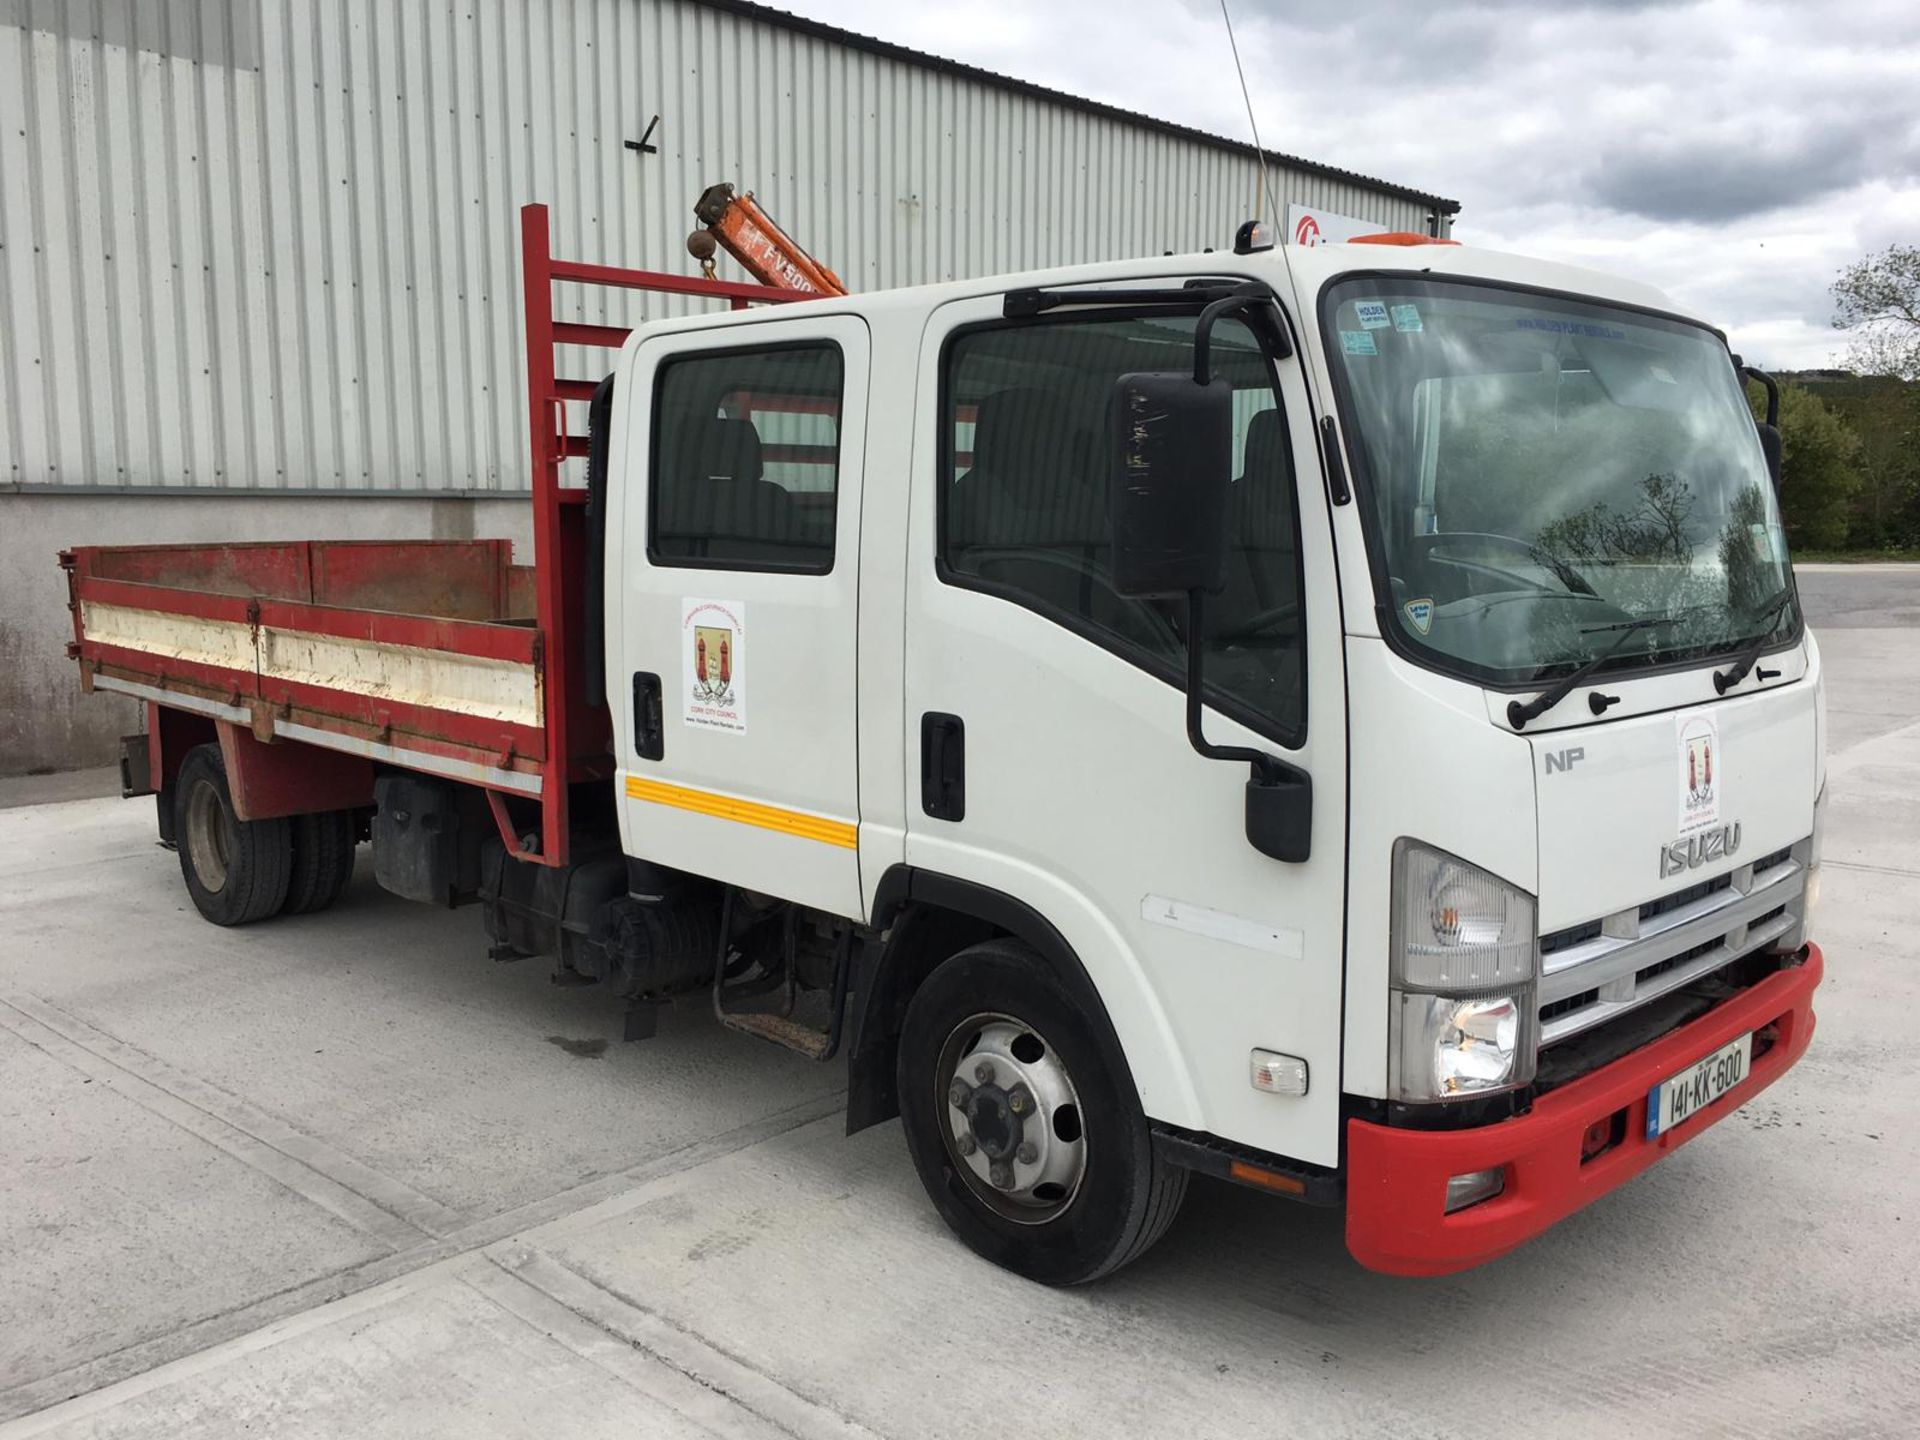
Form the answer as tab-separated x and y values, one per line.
1397	1179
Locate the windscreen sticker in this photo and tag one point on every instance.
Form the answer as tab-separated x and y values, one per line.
1701	767
1407	318
1570	327
1372	313
1358	342
1419	614
713	647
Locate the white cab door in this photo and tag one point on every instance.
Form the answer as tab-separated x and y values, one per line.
738	511
1082	796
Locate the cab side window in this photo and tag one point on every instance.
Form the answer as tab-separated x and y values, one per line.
745	459
1025	514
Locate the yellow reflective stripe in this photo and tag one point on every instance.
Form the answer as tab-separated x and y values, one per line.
748	812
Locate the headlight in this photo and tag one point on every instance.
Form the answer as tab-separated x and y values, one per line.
1463	1009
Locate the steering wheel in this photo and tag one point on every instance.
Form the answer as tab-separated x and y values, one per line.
1083	568
1559	569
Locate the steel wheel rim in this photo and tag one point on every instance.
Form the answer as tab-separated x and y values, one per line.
1014	1131
207	836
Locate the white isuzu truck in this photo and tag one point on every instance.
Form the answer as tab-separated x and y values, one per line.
1337	719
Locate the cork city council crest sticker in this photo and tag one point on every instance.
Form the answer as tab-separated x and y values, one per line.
713	644
1700	770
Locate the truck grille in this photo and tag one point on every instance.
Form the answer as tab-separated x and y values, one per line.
1601	969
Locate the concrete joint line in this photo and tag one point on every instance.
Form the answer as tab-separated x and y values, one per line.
712	1410
193	1347
82	1407
376	1204
1871	869
698	1359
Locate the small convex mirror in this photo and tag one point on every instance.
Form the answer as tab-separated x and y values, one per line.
1173	461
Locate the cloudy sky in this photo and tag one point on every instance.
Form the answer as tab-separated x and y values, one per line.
1735	153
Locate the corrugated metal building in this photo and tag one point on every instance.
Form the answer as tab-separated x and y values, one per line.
260	256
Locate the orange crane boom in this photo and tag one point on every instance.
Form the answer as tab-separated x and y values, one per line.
750	235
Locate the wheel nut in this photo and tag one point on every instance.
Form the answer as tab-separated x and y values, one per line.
958	1092
965	1143
983	1072
1020	1100
1001	1174
1027	1153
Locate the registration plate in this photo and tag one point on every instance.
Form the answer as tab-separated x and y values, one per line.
1698	1086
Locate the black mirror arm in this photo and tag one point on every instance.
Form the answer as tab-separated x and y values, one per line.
1769	429
1264	765
1279	796
1771	386
1246	297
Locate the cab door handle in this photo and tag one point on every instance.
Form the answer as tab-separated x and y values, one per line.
943	766
649	720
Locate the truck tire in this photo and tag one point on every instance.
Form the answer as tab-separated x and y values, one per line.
322	861
1023	1121
236	870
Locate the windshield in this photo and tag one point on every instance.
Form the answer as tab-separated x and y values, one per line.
1540	472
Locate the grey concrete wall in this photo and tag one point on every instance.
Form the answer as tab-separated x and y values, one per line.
46	723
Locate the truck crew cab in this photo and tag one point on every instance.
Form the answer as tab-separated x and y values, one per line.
1337	718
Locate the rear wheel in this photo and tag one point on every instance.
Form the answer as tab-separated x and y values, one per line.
1023	1120
322	860
236	870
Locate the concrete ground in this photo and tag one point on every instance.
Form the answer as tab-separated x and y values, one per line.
342	1175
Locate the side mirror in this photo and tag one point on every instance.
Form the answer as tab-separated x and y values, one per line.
1172	476
1173	463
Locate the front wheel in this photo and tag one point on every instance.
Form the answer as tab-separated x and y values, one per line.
1023	1122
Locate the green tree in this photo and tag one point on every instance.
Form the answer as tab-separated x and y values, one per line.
1878	300
1819	468
1887	420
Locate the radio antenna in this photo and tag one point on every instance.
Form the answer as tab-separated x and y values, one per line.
1265	197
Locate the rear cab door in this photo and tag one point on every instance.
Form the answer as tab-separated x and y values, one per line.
735	495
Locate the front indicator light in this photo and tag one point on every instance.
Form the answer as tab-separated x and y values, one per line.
1278	1074
1473	1187
1457	928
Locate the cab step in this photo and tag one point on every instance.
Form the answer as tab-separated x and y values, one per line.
785	1031
773	1019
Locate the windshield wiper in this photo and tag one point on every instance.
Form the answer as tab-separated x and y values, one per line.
1518	714
1769	616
